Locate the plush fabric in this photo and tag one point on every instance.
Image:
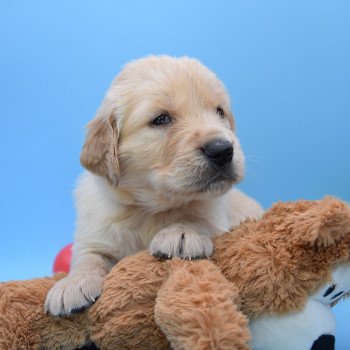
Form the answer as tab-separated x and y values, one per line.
281	259
263	270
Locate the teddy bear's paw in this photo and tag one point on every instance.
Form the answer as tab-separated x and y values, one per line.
179	240
73	294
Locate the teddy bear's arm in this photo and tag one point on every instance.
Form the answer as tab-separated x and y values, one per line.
196	308
24	325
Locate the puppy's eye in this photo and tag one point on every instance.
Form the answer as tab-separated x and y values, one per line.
220	112
162	119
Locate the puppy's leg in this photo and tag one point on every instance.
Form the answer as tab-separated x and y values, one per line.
184	240
242	207
80	289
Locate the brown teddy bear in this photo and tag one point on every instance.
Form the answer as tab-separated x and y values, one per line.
268	271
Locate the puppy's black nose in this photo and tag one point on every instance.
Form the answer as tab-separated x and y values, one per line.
218	151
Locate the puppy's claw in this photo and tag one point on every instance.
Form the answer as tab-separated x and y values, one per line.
179	240
160	255
79	309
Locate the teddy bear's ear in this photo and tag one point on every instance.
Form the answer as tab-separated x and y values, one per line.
323	223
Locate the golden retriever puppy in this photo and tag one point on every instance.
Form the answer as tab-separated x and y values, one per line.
161	156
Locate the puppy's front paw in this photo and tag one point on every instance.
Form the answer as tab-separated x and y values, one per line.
73	294
181	241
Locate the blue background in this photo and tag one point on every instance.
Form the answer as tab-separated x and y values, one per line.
285	64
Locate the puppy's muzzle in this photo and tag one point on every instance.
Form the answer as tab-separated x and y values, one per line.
218	151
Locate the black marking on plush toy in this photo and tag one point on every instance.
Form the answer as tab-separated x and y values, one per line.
91	346
324	342
337	295
329	290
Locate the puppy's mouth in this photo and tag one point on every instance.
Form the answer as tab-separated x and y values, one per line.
215	179
209	178
199	176
217	170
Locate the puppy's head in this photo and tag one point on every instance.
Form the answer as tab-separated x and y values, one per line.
165	126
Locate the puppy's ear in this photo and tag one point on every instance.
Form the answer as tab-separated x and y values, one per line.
99	154
323	223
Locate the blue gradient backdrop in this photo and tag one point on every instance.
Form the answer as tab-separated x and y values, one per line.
285	64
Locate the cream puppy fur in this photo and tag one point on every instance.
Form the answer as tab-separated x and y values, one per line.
161	157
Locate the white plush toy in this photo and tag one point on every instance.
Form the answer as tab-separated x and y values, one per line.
312	328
